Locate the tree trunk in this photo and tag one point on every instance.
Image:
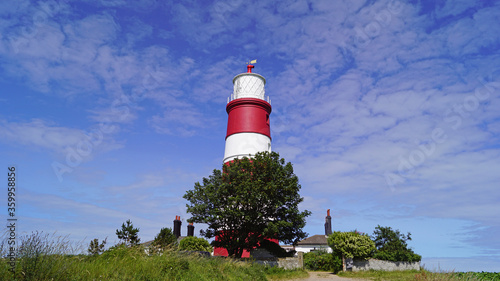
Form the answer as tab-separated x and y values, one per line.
239	253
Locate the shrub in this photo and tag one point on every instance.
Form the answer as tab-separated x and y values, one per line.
192	243
351	244
408	256
321	260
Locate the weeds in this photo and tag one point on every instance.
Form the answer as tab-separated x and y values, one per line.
49	257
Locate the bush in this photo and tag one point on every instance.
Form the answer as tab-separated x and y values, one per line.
408	256
392	245
192	243
321	260
351	244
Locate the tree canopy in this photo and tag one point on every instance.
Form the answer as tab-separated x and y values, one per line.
164	239
128	234
248	201
391	245
351	244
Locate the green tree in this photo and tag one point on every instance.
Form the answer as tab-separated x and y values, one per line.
249	200
386	238
128	234
351	245
392	245
95	248
164	239
192	243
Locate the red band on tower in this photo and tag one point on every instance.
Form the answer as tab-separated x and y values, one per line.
248	115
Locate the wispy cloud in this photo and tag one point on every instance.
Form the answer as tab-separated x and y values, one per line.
57	139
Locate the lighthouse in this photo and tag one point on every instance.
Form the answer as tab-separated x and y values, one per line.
248	109
248	130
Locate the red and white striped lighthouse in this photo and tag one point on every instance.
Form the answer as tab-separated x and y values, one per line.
248	130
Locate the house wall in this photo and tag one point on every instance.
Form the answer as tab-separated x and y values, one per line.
308	248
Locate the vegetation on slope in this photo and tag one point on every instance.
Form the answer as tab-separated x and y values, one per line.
46	257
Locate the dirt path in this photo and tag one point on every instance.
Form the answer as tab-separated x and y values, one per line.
325	276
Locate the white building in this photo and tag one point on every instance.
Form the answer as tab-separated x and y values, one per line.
317	242
313	243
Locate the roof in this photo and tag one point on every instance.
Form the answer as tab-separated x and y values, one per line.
314	240
147	243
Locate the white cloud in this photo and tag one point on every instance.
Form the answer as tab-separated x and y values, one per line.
58	140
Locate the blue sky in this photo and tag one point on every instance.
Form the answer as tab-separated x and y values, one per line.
388	110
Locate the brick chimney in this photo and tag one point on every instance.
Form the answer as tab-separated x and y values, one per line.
328	223
190	228
177	226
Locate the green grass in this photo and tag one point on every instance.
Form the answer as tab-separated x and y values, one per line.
490	276
275	273
414	275
130	264
45	257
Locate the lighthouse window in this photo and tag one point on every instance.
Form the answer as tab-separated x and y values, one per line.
267	119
